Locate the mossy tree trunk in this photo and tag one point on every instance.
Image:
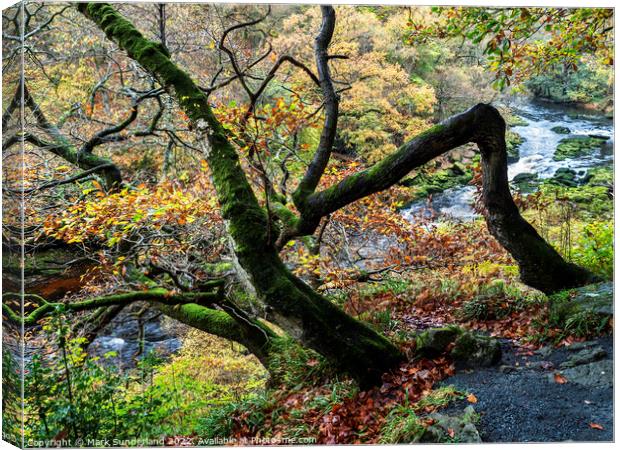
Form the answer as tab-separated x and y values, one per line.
540	264
307	316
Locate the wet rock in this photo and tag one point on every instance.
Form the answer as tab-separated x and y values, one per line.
574	147
599	136
525	182
123	336
585	356
596	374
446	428
561	130
513	142
474	350
565	177
426	184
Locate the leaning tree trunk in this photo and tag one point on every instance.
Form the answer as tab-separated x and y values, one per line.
307	316
540	265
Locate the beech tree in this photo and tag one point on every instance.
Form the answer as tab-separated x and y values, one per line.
259	230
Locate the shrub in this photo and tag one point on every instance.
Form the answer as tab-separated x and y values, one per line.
595	249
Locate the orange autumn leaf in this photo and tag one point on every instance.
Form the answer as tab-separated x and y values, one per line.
596	426
558	378
471	398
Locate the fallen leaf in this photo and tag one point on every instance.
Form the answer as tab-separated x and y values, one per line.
471	398
559	378
451	432
596	426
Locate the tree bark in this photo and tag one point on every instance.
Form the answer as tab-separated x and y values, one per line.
253	335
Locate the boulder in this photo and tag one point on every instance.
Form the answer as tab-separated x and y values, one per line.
446	428
434	341
469	350
525	182
597	374
597	298
561	130
474	350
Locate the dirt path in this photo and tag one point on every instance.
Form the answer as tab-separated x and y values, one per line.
520	400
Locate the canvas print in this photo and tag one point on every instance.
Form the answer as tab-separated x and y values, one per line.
302	224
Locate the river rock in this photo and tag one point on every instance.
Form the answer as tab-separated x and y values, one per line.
525	182
576	146
561	130
122	335
599	136
513	142
565	177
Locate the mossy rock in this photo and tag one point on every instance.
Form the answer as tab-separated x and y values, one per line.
435	341
513	142
516	121
598	298
426	184
565	177
474	350
525	182
561	130
447	428
574	147
583	311
593	195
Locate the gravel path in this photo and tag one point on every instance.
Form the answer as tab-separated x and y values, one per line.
520	401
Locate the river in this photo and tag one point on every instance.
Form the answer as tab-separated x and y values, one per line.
536	154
